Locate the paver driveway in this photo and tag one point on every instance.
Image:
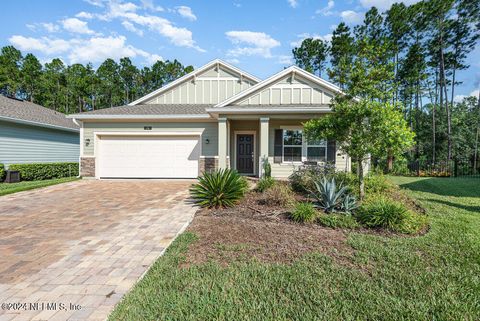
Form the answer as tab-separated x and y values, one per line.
84	243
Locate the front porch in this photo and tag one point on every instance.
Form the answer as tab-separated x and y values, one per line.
245	141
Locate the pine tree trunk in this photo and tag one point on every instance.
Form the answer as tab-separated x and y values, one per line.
443	84
476	137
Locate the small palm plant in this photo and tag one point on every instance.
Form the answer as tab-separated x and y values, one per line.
327	195
222	188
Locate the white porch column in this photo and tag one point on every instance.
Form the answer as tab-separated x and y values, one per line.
222	143
264	122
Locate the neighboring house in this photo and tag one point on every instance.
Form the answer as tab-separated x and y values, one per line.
217	116
30	133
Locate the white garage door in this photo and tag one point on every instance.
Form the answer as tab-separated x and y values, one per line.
148	157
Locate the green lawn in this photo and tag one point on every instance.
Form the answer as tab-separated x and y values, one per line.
28	185
431	277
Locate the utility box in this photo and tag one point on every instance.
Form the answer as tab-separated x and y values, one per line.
12	177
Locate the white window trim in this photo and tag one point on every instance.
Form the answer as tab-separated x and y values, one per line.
304	147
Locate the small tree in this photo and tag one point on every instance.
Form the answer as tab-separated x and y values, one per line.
363	128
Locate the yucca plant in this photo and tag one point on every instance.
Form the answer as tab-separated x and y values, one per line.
327	195
222	188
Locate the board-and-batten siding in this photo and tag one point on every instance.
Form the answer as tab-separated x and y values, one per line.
210	87
210	132
288	91
32	144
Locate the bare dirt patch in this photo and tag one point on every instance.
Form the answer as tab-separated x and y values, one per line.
255	230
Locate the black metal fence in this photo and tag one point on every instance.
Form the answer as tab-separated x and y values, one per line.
453	168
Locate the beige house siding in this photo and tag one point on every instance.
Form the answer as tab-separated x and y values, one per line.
210	132
210	87
290	91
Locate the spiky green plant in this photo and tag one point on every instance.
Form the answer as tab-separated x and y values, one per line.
222	188
328	195
348	204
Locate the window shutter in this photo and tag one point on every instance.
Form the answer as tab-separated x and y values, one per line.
331	151
277	149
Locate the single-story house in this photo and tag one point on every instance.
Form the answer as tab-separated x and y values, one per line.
217	116
30	133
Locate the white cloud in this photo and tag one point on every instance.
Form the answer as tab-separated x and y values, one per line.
285	60
237	4
383	5
148	4
327	10
97	3
47	26
84	15
44	45
352	17
459	98
251	43
76	26
233	61
303	36
293	3
130	27
179	36
186	12
94	49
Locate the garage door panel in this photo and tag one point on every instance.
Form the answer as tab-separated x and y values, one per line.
148	157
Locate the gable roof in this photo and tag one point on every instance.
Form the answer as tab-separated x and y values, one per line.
216	62
292	70
25	112
147	111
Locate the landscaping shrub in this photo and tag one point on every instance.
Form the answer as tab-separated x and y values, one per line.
376	183
303	179
380	211
265	183
279	195
348	204
303	212
328	195
42	171
267	168
2	172
222	188
337	220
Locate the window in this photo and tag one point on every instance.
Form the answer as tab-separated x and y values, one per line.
292	145
317	151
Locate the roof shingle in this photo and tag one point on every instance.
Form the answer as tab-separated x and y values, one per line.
30	112
152	109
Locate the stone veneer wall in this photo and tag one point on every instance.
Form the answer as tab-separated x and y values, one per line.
207	164
87	166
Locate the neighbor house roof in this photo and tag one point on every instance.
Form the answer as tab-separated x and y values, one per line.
148	111
20	111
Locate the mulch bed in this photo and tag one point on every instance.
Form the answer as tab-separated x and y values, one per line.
255	230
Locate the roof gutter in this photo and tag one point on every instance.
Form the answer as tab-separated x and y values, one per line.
280	110
38	124
147	117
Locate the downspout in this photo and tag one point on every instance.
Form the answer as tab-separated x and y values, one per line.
79	124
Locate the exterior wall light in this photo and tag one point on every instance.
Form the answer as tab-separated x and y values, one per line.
87	141
207	141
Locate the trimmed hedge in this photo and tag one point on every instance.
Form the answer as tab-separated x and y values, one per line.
2	172
42	171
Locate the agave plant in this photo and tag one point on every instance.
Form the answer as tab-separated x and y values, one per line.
348	204
327	195
222	188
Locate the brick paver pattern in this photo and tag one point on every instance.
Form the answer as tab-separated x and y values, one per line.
85	243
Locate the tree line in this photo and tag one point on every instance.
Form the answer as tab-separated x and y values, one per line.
78	87
410	57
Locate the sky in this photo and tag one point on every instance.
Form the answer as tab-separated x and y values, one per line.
256	36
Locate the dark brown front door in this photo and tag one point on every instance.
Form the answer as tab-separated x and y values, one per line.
245	153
